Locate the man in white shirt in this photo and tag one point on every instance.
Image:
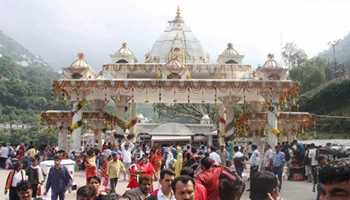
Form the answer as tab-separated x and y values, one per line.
255	158
4	154
267	161
126	153
215	156
238	160
312	155
165	192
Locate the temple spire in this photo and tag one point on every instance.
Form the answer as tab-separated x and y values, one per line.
178	12
178	18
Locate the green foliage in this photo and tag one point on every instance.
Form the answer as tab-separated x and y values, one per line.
25	91
293	56
311	74
184	113
335	96
342	51
35	136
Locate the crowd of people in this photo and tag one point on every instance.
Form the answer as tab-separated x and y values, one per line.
184	172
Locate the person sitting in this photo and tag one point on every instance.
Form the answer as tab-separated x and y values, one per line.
24	190
335	180
165	192
86	192
141	192
184	188
264	186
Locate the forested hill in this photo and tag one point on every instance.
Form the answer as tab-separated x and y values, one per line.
17	53
25	83
342	52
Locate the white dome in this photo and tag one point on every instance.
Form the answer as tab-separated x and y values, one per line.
140	116
205	117
124	55
230	56
177	35
80	62
271	62
171	129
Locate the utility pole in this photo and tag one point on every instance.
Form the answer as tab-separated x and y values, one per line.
333	44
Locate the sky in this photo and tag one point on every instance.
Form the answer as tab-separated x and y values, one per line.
58	29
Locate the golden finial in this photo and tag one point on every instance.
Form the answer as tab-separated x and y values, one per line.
81	56
178	12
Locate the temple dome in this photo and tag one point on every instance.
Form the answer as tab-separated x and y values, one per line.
271	62
124	55
79	69
177	36
80	62
230	56
171	129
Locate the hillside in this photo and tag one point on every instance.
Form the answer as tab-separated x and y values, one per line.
331	106
25	83
342	52
17	53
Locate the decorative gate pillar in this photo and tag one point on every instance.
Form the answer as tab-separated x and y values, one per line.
98	137
63	137
120	104
272	123
76	126
133	115
222	124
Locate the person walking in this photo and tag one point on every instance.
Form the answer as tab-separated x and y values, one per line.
238	161
254	160
4	154
57	180
267	160
15	176
164	192
127	148
278	161
35	176
141	192
115	166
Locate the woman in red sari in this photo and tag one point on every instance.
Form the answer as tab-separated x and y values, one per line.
134	174
90	165
104	171
156	160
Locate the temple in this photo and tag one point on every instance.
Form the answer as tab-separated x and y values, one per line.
178	70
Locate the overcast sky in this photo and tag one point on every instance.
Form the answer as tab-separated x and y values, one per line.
57	30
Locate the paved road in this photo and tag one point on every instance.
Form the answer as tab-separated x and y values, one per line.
290	190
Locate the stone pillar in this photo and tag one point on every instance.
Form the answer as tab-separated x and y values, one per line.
120	104
272	122
210	140
133	115
98	137
222	124
76	133
63	138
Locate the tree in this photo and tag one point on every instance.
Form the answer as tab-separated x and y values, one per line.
311	74
293	56
192	113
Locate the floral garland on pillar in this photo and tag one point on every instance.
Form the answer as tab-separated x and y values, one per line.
77	120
